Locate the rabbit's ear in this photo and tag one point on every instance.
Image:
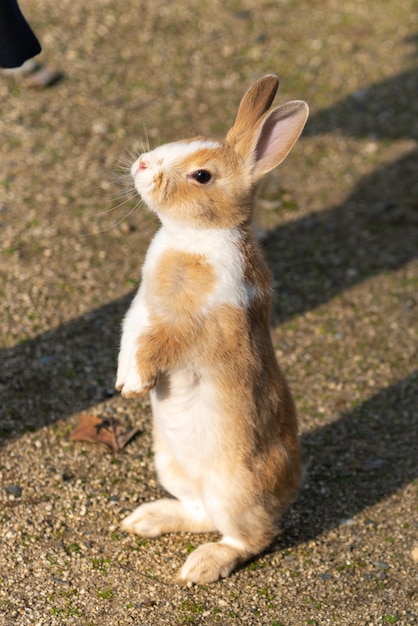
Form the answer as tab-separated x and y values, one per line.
255	102
269	144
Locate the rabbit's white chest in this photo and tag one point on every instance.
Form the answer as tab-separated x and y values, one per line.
222	282
185	408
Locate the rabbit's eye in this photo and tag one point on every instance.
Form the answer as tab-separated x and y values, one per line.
202	176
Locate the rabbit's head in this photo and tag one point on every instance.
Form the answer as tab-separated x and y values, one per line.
208	184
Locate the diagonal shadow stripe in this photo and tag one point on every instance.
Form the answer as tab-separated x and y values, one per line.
355	462
373	231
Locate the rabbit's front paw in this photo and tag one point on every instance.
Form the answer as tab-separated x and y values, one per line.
131	384
134	388
129	380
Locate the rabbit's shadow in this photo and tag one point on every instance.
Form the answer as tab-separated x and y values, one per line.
356	461
370	452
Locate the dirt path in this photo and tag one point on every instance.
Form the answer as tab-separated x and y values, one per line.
341	215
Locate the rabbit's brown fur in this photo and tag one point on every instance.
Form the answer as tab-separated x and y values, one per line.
197	335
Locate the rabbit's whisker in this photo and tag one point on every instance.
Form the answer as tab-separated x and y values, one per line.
115	224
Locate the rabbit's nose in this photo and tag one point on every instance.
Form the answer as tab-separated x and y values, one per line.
143	164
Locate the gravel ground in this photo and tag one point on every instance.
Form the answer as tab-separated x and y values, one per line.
341	221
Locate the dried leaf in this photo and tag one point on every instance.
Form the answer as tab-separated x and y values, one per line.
102	430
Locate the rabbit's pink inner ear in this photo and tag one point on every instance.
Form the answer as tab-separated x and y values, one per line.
277	135
255	102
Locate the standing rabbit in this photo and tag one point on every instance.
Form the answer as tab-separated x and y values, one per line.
197	336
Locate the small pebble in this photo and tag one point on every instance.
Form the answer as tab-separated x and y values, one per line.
372	463
14	490
67	476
